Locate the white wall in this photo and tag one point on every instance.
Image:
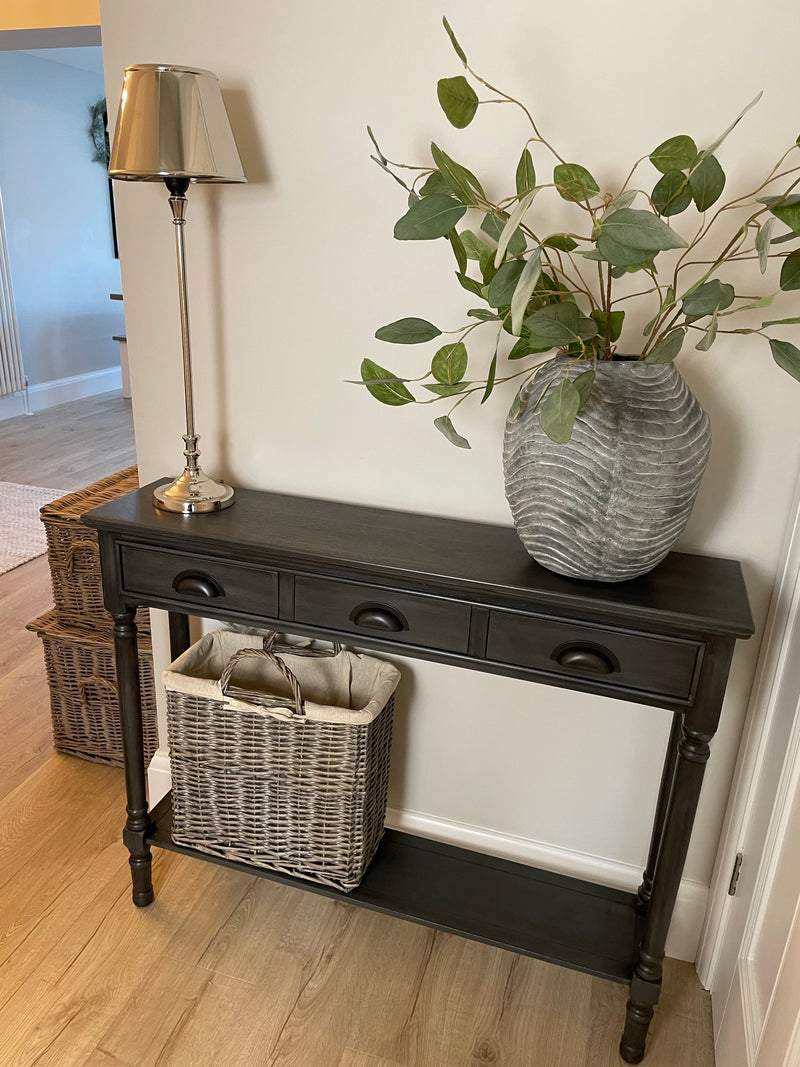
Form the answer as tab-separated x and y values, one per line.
291	275
58	220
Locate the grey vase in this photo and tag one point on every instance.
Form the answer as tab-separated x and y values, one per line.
608	505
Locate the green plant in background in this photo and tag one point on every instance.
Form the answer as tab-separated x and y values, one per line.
541	291
98	132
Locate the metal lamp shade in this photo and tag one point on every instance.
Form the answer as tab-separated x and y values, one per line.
172	123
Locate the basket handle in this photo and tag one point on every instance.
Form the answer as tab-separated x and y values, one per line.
95	679
267	654
73	548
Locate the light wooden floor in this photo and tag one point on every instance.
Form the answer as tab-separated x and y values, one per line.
224	970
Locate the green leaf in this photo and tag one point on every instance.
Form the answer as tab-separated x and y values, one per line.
526	175
456	46
470	284
512	226
435	183
790	272
560	241
502	286
521	349
408	332
474	246
384	385
432	217
786	356
482	314
707	298
490	380
672	194
710	336
524	289
458	100
448	390
462	181
574	182
780	322
623	199
615	325
668	347
707	181
381	157
761	302
715	144
493	226
763	240
786	208
449	365
635	230
583	382
558	413
784	237
458	250
676	153
560	325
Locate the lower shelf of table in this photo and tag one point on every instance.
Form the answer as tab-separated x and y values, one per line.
561	920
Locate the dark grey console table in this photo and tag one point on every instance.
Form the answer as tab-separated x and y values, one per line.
465	594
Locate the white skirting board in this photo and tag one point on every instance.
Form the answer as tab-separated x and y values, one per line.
61	391
690	908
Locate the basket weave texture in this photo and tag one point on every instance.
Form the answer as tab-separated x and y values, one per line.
84	699
74	555
263	776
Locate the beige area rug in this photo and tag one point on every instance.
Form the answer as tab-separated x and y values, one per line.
22	533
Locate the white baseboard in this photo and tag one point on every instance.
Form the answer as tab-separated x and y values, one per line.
690	908
159	777
12	405
61	391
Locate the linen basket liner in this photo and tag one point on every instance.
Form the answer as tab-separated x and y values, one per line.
347	688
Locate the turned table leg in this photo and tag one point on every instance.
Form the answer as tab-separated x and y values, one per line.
662	807
138	822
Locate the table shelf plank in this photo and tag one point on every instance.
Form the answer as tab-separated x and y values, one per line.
537	913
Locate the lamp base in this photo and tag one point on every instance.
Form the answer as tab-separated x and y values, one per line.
193	493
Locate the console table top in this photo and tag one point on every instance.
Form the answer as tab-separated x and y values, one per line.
692	592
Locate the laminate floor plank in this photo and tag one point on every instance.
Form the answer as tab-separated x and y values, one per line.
69	446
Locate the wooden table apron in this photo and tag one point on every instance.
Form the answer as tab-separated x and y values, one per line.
465	594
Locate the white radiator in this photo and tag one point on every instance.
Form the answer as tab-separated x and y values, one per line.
12	373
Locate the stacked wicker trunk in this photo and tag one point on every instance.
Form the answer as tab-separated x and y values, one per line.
77	638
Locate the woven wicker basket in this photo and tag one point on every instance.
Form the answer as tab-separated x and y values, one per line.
278	770
74	555
83	692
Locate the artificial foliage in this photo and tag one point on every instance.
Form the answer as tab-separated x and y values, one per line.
568	292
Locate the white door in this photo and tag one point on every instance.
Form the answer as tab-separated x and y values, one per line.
750	955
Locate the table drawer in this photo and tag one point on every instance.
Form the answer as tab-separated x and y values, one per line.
406	618
201	579
661	666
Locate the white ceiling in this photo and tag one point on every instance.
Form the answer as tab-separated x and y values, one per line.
90	59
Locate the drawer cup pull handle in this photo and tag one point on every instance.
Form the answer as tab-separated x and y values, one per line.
378	617
581	658
193	584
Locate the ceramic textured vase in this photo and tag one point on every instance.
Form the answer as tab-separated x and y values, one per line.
609	504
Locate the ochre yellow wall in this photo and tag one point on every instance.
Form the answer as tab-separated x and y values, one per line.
41	14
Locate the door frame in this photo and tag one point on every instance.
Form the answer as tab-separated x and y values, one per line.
760	801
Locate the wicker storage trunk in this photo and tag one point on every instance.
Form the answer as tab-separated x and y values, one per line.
280	761
74	556
83	692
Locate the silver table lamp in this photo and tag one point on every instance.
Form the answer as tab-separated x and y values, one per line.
172	127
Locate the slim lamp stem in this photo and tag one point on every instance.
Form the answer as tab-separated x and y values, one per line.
193	491
178	204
